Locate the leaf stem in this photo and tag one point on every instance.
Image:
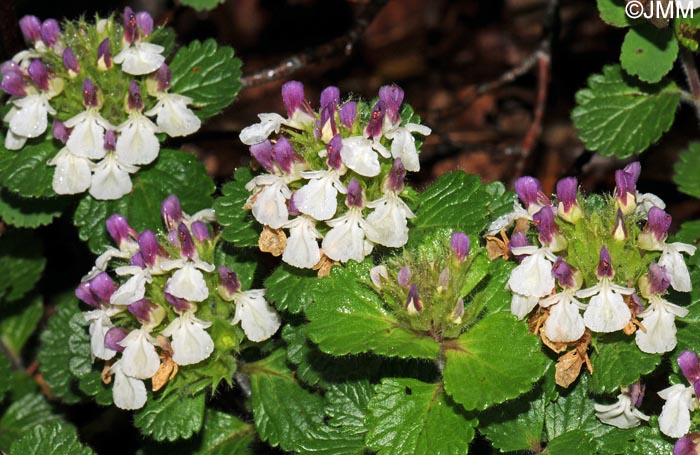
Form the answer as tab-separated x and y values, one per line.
691	73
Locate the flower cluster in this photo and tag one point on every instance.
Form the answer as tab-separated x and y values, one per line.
624	413
326	169
425	288
155	296
620	286
680	400
100	103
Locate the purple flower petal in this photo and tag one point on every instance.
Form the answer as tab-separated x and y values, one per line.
330	96
354	196
404	276
84	293
658	223
333	148
396	176
144	22
39	74
31	28
567	189
60	131
564	273
283	153
187	247
104	55
113	337
392	96
119	229
50	31
229	280
293	96
690	365
413	299
141	309
70	61
348	112
200	231
110	140
163	77
171	211
262	153
544	221
605	267
135	101
530	192
459	241
148	244
658	279
179	304
102	286
89	93
374	127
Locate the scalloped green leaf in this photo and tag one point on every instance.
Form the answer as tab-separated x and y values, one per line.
238	223
285	413
347	317
202	5
574	442
495	360
455	201
291	289
616	116
25	171
29	213
225	434
411	416
649	52
174	172
643	440
207	73
613	13
574	411
171	417
22	415
688	337
6	377
686	170
18	324
50	439
516	424
21	264
619	363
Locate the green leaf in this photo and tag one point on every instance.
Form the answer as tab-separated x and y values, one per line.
347	317
649	52
455	201
92	385
688	337
500	201
492	294
208	74
285	413
224	434
17	326
202	5
5	376
619	363
686	170
686	29
29	213
50	439
613	13
239	226
174	172
574	442
616	116
291	289
495	360
21	264
25	171
54	355
573	411
171	417
643	440
410	416
243	262
515	425
22	415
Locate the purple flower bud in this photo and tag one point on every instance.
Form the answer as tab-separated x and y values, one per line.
354	197
283	154
333	148
200	231
39	74
60	131
228	280
396	176
13	83
135	101
530	193
458	311
84	293
658	279
413	301
619	232
262	153
89	93
378	274
178	304
104	55
163	77
633	169
131	33
564	273
102	286
31	28
690	366
636	394
567	189
330	97
637	306
544	221
110	140
605	267
392	96
10	67
70	61
50	31
144	22
328	118
171	211
444	278
293	96
119	229
373	129
148	244
658	223
187	247
404	276
348	112
141	309
137	260
113	337
518	240
460	245
688	445
625	187
293	207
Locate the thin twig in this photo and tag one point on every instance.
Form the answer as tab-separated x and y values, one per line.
344	44
15	361
691	73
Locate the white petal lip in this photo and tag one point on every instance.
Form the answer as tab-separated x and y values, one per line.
674	420
564	324
133	289
137	142
318	198
173	116
620	414
259	132
139	359
111	179
99	325
659	321
258	319
388	223
302	248
674	262
270	205
521	305
128	393
72	174
88	135
359	155
606	311
13	141
532	277
140	58
190	342
31	117
346	239
188	283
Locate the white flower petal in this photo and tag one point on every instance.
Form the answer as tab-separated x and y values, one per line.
659	322
88	135
532	277
127	392
190	342
110	179
565	323
13	141
139	359
302	246
173	116
188	283
140	58
318	198
31	117
137	142
270	204
358	154
674	420
72	173
620	414
606	311
674	262
259	132
346	240
388	224
258	319
521	305
403	146
99	326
